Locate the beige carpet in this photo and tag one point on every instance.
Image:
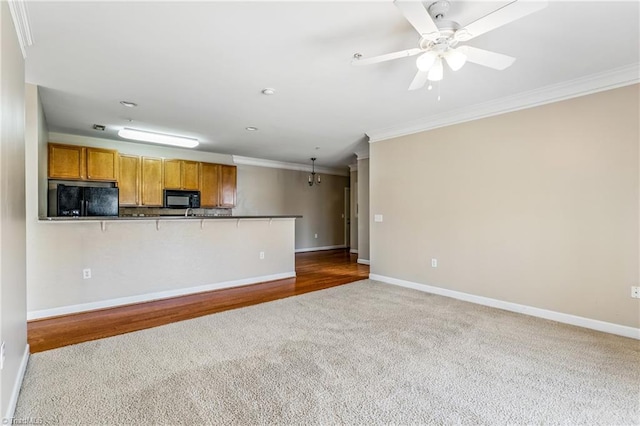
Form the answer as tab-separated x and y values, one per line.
363	353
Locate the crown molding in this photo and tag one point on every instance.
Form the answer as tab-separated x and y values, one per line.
362	154
618	77
259	162
18	9
353	167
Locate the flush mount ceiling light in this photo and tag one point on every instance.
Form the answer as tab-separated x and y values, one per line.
128	104
268	91
161	138
251	128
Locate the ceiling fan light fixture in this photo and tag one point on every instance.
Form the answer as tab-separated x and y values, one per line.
455	59
160	138
437	71
426	60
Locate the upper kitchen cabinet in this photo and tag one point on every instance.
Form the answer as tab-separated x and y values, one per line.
181	174
102	164
66	161
209	185
228	176
129	180
140	181
82	163
151	186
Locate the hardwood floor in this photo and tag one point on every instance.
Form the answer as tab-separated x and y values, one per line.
314	270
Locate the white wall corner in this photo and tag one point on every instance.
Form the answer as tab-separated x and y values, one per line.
611	79
20	16
259	162
353	167
11	409
607	327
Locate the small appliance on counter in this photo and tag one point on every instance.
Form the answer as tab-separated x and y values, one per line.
68	200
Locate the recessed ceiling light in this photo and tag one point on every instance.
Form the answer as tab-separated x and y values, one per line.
251	128
268	91
129	104
161	138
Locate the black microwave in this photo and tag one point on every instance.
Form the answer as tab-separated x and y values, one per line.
177	199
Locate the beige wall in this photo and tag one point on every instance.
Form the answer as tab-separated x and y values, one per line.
263	190
363	210
538	207
13	324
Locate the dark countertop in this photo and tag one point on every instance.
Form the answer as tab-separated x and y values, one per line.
137	218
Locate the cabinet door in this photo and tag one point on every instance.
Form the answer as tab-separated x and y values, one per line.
102	164
129	180
66	161
172	174
190	175
209	184
151	187
227	186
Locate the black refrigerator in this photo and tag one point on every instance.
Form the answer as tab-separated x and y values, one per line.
86	201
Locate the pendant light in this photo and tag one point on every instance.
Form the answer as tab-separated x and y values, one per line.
313	179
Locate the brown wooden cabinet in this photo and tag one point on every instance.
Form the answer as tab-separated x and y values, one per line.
181	174
66	161
151	182
129	180
228	177
209	185
82	163
217	185
102	164
140	181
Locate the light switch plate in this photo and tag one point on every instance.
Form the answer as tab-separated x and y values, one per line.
377	218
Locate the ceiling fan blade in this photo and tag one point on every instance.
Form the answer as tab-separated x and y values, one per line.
417	16
509	13
419	80
494	60
387	57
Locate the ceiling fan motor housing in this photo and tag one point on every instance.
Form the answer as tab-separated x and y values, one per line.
438	10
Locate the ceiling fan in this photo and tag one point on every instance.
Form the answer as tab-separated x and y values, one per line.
439	38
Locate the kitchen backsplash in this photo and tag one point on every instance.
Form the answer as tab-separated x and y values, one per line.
151	211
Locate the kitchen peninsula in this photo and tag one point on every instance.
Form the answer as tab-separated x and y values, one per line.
138	259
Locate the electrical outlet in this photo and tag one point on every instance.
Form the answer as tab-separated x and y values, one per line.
261	255
635	292
2	355
316	236
86	273
434	263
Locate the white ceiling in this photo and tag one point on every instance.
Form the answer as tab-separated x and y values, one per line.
197	69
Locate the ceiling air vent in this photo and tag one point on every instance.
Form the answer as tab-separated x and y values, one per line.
98	127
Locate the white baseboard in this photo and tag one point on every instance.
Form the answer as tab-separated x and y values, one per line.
110	303
354	251
11	409
364	261
607	327
304	250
